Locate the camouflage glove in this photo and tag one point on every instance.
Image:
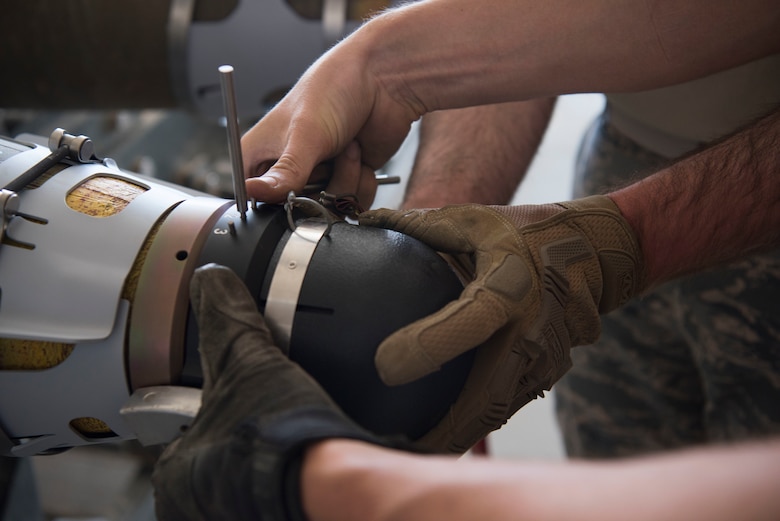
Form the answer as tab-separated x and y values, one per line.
540	276
241	457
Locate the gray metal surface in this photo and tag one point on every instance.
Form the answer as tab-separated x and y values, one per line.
266	40
234	138
79	252
89	383
160	414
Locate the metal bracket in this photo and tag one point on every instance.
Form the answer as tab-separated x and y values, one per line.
9	206
80	148
160	414
62	146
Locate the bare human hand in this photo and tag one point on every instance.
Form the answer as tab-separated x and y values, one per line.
339	122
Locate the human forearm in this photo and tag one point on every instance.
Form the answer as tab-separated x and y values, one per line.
445	54
501	50
344	480
476	154
713	207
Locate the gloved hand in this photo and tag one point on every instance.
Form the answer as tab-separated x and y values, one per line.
241	457
540	277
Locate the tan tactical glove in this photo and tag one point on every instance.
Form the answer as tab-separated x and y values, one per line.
541	276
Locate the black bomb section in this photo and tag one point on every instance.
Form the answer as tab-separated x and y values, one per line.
97	340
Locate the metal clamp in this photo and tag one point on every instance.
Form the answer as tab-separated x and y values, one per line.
80	148
291	269
62	146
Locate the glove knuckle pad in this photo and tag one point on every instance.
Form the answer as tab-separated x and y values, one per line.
510	279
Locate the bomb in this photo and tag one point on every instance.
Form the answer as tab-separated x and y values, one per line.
97	341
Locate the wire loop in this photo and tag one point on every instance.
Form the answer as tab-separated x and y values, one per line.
306	204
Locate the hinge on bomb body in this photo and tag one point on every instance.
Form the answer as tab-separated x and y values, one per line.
63	147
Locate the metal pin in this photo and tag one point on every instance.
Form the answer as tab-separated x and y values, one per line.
381	179
234	138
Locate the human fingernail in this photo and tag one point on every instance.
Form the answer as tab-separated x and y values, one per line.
270	178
